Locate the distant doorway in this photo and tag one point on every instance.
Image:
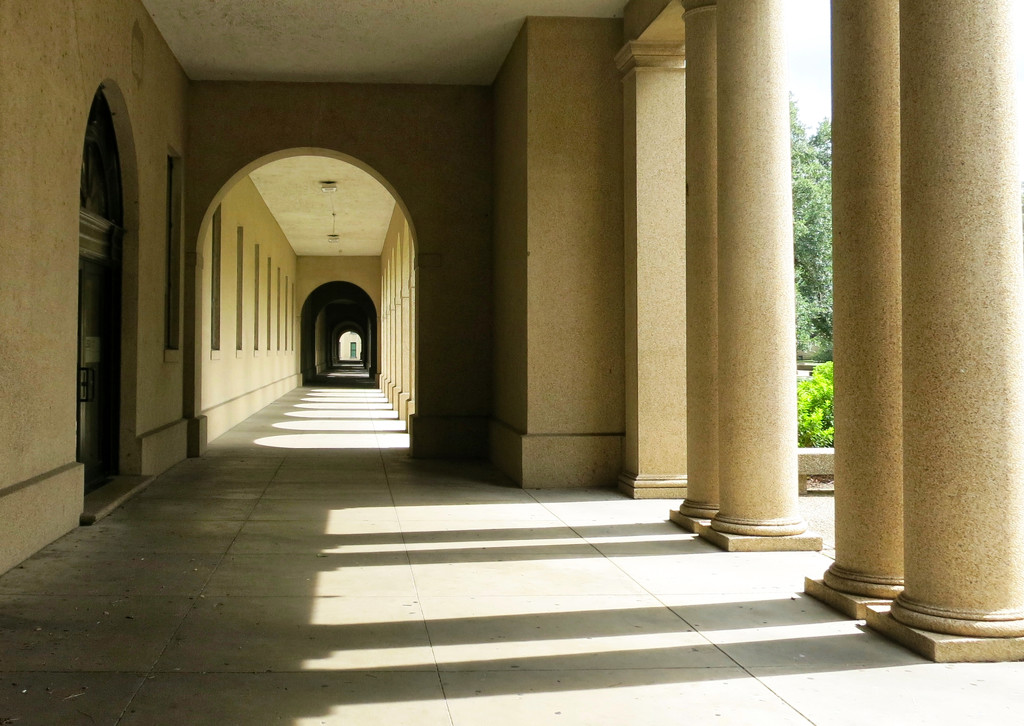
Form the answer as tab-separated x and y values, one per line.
99	297
350	347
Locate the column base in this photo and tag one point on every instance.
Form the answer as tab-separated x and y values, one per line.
874	587
727	524
698	510
644	486
943	648
968	624
690	524
805	542
852	606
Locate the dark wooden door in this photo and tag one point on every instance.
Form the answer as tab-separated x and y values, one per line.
97	372
99	298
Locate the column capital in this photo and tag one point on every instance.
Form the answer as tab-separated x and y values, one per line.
651	54
690	6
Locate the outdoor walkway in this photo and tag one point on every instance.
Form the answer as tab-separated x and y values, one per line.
307	572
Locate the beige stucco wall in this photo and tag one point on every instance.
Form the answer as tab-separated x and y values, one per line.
572	252
236	383
54	54
431	145
316	271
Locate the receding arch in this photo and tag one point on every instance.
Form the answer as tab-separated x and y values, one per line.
192	363
327	312
310	340
261	161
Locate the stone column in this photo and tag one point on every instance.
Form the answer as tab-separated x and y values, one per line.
701	263
756	309
963	329
385	333
403	401
866	309
411	409
654	448
393	322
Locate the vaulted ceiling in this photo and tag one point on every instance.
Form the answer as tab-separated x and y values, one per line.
359	211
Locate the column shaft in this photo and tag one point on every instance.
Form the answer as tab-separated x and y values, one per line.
756	310
963	368
701	259
866	313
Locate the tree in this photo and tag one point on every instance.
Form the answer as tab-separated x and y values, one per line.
812	232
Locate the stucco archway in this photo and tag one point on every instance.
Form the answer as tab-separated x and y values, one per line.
112	262
432	146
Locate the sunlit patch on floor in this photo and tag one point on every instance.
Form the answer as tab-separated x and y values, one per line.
346	401
344	414
342	425
347	406
336	441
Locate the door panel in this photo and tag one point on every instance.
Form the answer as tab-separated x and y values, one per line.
97	369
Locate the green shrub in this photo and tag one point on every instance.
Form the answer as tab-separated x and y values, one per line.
816	426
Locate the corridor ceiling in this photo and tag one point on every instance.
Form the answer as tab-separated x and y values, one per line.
292	191
356	41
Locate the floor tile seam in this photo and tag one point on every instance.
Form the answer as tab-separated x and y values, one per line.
721	648
222	596
200	498
83	671
127	552
180	519
640	669
637	583
314	673
419	596
782	699
192	606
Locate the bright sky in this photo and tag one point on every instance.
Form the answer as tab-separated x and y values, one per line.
810	67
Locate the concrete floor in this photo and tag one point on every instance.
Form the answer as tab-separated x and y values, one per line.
269	583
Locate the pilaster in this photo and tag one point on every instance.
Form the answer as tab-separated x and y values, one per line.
654	448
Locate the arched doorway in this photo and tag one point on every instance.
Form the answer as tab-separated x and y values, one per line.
350	346
101	230
329	312
323	217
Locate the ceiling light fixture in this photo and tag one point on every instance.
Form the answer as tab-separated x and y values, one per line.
332	238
